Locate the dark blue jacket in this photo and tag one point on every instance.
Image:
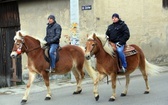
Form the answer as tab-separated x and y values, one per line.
53	33
118	32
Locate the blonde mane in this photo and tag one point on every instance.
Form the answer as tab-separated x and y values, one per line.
105	43
17	37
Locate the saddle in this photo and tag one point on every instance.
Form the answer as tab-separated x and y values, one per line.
46	53
128	51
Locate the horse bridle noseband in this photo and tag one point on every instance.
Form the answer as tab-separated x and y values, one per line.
27	50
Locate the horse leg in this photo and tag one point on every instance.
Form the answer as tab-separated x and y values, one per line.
81	74
124	93
146	81
113	80
47	83
30	81
95	89
78	81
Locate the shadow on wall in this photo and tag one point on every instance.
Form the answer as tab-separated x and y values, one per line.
155	50
167	36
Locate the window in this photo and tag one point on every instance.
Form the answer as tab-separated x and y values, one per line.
165	4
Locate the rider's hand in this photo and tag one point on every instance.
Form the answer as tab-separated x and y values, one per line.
46	44
118	44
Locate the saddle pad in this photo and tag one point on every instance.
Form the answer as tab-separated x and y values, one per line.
130	53
129	50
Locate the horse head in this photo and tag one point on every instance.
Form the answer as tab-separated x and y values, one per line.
91	46
18	47
97	43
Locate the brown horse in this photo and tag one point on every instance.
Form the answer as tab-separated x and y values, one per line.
70	58
107	64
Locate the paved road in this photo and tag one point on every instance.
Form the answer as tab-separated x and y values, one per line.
63	96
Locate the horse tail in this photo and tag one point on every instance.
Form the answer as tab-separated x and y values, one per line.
88	66
152	69
149	68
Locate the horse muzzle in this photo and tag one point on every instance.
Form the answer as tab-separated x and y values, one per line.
87	56
13	54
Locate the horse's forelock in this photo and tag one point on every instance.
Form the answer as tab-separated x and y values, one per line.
17	36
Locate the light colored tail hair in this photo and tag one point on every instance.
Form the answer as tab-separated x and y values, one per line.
89	66
152	69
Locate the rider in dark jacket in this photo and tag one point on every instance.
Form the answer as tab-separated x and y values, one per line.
118	33
53	35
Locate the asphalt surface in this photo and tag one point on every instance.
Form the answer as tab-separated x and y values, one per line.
62	95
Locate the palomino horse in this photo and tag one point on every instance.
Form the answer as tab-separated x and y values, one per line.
70	58
107	64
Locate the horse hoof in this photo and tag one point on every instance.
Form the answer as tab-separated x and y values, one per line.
48	98
111	99
97	98
123	94
23	102
146	92
78	92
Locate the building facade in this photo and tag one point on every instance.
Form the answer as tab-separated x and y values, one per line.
147	21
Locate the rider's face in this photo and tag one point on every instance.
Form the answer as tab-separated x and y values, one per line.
115	19
50	21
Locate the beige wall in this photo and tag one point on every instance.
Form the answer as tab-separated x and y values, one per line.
34	14
146	19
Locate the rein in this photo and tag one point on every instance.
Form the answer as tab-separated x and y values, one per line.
27	50
103	46
92	50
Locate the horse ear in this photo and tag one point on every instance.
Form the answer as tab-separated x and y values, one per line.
94	36
20	34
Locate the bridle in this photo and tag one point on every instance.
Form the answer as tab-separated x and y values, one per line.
26	48
91	52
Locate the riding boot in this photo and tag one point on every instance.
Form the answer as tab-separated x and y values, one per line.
122	70
51	70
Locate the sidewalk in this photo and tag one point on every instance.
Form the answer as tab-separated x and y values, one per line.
54	84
